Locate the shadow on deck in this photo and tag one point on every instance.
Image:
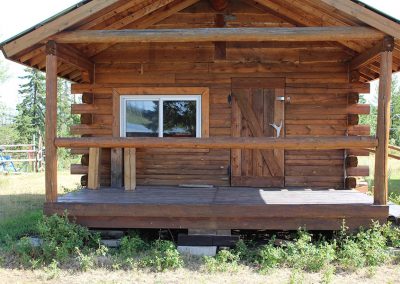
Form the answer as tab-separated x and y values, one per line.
219	208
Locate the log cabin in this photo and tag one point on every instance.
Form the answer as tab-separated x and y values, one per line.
217	114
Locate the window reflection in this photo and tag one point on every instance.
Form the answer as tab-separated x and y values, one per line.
179	118
142	118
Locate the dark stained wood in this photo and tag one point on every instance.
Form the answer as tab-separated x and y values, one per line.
173	207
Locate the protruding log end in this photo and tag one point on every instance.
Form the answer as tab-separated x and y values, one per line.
351	162
85	160
87	98
84	180
353	119
353	98
86	118
350	182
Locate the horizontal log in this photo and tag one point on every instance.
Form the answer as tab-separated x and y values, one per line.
360	171
220	143
220	34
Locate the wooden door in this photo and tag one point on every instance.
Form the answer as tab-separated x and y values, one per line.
257	105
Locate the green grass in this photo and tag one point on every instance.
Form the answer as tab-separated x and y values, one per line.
394	175
21	201
16	227
24	193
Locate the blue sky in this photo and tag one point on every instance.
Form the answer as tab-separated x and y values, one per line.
19	15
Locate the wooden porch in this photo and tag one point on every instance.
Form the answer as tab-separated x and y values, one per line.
219	208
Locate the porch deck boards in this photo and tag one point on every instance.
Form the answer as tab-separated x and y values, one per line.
219	208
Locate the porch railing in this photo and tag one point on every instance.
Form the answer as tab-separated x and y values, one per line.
95	144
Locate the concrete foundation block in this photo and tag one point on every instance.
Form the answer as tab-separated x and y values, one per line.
198	251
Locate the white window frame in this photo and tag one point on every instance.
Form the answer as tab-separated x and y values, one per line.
160	98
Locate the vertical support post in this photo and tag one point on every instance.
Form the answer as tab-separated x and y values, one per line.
383	128
116	153
130	168
51	128
94	168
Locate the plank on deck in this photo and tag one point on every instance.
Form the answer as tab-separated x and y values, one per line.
219	208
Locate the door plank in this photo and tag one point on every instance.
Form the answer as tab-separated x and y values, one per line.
256	130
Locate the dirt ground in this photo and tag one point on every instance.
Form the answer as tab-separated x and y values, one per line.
385	274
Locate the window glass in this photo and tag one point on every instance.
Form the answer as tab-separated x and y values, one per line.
179	118
142	118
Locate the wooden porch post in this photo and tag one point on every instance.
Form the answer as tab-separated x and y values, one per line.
51	128
383	128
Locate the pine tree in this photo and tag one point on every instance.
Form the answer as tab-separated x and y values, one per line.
31	109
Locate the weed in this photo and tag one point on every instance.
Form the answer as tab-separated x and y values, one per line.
86	261
395	198
374	245
245	251
132	245
61	238
163	255
328	274
270	256
351	256
392	234
303	254
225	260
52	270
296	277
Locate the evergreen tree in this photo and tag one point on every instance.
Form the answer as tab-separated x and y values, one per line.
371	119
31	109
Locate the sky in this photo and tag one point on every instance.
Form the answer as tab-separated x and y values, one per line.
19	15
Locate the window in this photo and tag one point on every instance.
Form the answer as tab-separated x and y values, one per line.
161	116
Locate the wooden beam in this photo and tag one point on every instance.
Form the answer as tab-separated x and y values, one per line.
382	130
220	34
94	168
51	128
367	16
327	143
219	5
59	24
130	168
70	55
369	56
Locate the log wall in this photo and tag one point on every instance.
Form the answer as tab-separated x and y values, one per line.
317	97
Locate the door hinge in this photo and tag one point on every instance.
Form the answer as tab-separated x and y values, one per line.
229	171
229	99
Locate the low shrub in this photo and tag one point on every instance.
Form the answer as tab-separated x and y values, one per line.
61	238
373	244
270	256
131	246
304	254
350	256
162	255
246	251
225	260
